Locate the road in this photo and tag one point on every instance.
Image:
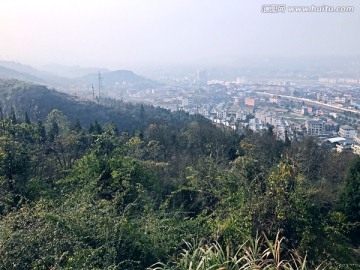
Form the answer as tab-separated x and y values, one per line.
312	102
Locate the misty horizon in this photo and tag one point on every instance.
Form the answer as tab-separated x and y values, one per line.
127	35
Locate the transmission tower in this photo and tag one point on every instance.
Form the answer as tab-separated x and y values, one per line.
100	84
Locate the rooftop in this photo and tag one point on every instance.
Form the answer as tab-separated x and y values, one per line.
314	121
336	140
346	127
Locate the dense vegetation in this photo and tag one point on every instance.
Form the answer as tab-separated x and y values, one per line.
38	101
170	191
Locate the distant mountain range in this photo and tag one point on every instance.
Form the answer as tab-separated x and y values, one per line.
71	71
6	72
25	69
65	78
120	77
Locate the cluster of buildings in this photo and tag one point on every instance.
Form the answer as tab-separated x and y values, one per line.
232	116
339	81
293	119
342	100
347	138
328	108
281	126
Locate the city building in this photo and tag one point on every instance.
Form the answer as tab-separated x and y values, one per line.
185	102
345	146
250	102
221	114
356	149
274	99
201	77
304	111
346	131
341	99
315	127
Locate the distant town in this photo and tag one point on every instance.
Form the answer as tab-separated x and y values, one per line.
322	102
327	108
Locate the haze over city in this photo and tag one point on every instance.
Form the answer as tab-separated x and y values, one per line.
180	134
129	34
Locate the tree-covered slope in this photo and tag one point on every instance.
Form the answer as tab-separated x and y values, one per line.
166	191
38	101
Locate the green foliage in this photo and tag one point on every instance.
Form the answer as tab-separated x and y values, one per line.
350	200
31	238
256	253
110	199
351	192
13	116
27	119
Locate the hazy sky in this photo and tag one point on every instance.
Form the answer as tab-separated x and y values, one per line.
125	33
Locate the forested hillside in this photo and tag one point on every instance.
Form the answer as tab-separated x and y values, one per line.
37	101
122	186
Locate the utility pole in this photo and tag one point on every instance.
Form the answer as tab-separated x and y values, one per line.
93	90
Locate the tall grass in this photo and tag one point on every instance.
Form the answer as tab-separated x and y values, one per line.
256	253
